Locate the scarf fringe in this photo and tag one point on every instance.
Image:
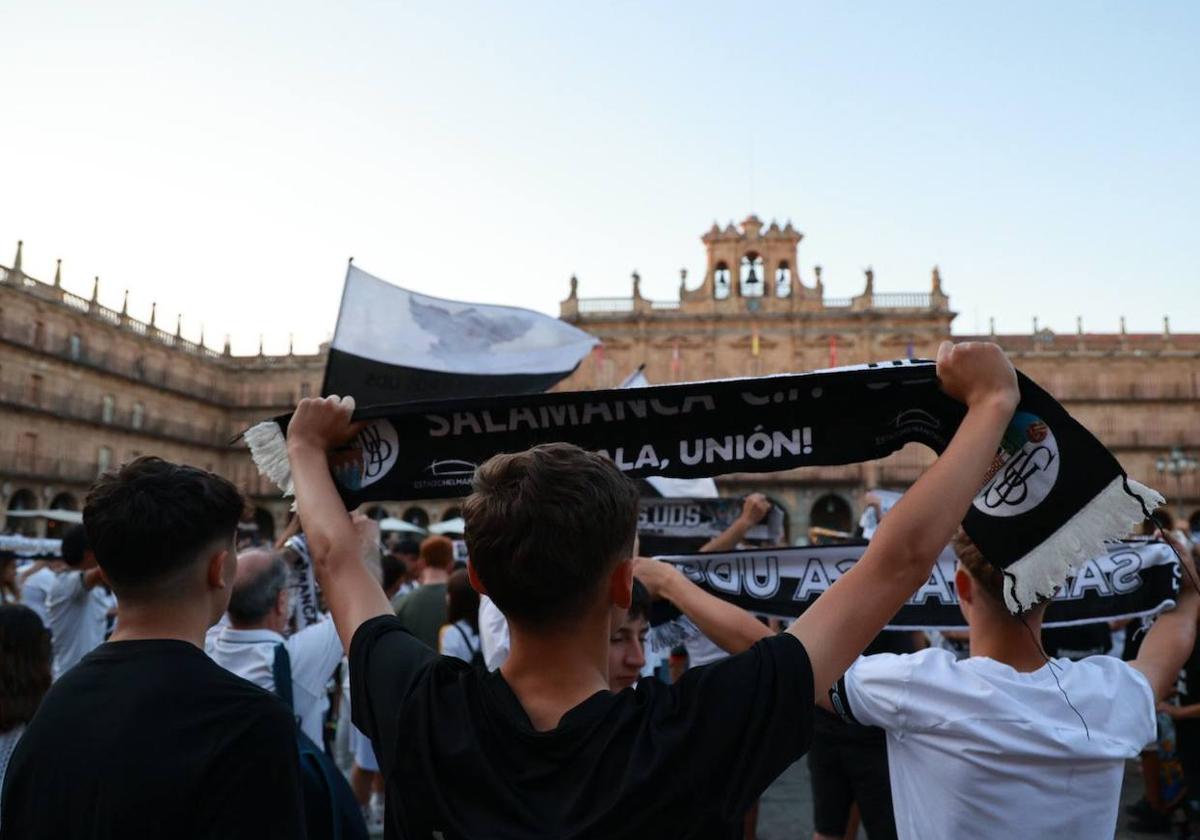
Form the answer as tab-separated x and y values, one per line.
268	448
1111	514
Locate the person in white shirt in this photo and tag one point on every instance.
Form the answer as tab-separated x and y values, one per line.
258	612
1008	743
493	634
77	605
35	581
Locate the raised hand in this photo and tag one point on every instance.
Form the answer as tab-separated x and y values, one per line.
977	372
322	423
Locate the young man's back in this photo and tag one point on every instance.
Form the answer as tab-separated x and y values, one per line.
473	764
151	738
979	749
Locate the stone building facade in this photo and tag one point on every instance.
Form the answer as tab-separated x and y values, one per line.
84	386
753	313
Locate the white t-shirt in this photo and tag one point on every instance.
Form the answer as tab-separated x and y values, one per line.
77	617
459	640
314	652
493	633
36	589
977	749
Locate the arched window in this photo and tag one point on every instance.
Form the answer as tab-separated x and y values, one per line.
137	417
831	512
721	281
416	515
108	408
377	512
751	276
783	279
21	500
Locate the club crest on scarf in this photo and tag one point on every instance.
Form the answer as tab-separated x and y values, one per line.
1025	468
367	458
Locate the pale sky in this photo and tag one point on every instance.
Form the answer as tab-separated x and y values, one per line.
224	159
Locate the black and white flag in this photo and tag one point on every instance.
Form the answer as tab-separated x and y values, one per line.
391	345
1130	579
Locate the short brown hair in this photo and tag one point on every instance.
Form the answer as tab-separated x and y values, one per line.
989	578
546	526
438	552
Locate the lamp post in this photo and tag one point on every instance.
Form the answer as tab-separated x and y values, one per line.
1177	463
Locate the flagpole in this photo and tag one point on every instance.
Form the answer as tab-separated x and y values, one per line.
341	303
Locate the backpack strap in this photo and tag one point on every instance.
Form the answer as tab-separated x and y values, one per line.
466	639
281	671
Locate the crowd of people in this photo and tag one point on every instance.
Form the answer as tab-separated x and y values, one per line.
164	678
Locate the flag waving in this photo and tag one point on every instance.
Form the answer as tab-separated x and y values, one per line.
391	345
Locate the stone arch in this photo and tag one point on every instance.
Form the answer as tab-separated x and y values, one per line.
416	515
833	512
22	499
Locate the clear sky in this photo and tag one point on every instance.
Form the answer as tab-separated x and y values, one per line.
225	158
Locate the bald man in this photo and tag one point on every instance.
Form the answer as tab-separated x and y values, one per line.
257	618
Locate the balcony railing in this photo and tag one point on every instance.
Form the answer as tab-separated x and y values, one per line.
40	467
137	370
590	306
74	406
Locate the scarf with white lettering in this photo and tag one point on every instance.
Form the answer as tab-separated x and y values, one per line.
1054	494
1132	579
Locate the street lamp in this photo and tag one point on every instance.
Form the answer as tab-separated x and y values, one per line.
1177	463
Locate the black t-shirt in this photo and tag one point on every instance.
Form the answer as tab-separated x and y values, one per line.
150	739
461	757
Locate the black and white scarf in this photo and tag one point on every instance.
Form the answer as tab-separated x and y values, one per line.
1052	497
1131	579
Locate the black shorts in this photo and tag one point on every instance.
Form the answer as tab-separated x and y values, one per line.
847	764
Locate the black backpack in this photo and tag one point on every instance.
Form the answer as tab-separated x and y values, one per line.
330	809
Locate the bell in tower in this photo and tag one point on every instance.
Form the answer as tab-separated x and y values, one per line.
752	275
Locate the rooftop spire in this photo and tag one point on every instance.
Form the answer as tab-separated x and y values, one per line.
179	325
1078	325
153	312
201	341
937	280
260	344
96	289
228	351
291	344
58	274
125	304
17	259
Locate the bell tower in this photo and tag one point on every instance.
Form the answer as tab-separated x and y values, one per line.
749	267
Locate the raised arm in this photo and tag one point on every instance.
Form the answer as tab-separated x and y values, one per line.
754	509
900	557
352	592
731	628
1169	642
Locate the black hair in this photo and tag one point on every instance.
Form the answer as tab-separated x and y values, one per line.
393	569
639	603
24	664
409	547
149	519
74	545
